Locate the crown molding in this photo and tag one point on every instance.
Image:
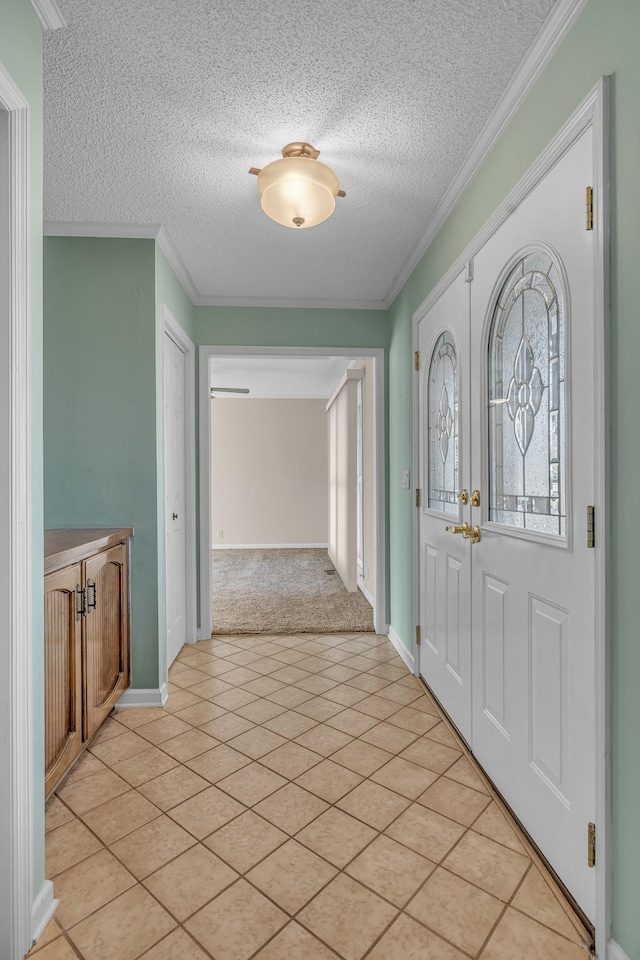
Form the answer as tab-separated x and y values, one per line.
155	231
135	231
49	14
317	303
130	231
566	136
555	29
177	265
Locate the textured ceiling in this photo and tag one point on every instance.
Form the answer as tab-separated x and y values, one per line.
282	377
156	109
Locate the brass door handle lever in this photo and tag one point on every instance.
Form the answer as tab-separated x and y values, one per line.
469	533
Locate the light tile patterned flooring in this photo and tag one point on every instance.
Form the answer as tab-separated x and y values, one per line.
297	797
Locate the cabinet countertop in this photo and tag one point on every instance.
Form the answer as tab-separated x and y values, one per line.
64	547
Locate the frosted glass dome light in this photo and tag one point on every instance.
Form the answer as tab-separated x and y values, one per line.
297	190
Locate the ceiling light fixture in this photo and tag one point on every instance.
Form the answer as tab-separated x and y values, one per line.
298	190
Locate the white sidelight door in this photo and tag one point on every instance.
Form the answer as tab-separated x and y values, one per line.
533	406
507	617
174	497
445	469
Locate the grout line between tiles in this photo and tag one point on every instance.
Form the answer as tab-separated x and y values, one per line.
375	663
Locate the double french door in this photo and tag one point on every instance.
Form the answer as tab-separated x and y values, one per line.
507	473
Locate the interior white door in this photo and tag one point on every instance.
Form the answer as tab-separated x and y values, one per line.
532	402
445	560
174	500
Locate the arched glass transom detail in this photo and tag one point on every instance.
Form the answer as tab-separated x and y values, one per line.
527	399
441	397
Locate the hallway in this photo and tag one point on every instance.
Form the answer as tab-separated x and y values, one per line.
283	591
296	797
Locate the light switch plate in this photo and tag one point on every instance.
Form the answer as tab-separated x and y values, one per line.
406	479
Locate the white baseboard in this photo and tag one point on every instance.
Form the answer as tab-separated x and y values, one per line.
365	592
269	546
139	697
406	654
615	951
43	908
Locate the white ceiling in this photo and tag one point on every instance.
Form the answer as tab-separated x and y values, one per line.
282	377
155	110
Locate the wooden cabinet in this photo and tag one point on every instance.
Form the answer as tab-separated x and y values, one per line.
63	673
86	600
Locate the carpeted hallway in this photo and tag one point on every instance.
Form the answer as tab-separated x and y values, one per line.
283	591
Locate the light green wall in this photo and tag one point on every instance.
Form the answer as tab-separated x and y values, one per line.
603	41
100	410
272	326
21	56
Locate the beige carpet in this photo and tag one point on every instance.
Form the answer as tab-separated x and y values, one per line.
283	591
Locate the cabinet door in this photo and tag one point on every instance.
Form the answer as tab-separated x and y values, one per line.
106	634
63	674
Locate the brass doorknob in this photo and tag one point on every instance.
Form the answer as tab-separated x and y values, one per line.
463	497
475	498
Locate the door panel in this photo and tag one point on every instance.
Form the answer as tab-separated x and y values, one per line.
495	652
106	629
62	671
548	694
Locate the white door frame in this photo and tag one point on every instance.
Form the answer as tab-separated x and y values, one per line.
374	353
23	915
172	328
594	112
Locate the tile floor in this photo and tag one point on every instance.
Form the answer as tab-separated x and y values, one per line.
297	797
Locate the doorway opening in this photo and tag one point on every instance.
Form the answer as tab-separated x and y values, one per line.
292	490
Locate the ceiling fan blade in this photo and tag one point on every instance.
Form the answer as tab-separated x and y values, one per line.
230	390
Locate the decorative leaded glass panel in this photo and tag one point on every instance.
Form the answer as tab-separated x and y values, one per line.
527	399
441	397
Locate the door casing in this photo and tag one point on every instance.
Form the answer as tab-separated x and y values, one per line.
594	112
172	329
24	912
377	355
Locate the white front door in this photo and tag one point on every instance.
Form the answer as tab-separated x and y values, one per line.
533	404
528	371
174	499
445	468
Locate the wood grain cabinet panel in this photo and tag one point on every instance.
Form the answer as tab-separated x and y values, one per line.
86	640
106	631
63	673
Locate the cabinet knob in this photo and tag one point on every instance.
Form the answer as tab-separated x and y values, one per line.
175	516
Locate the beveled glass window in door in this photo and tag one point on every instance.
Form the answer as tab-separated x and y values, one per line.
527	399
441	398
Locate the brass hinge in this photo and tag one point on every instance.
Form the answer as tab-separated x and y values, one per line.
418	636
591	844
416	360
589	208
418	497
591	531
